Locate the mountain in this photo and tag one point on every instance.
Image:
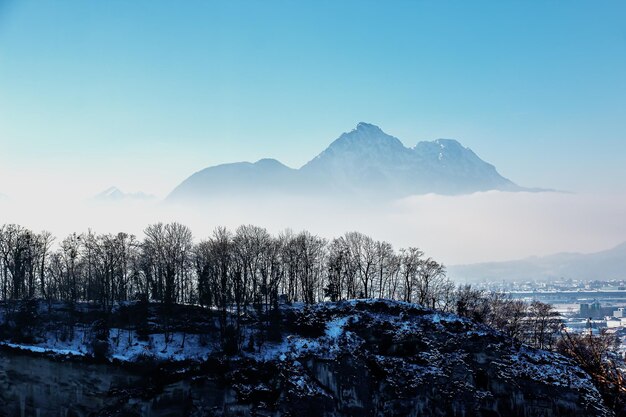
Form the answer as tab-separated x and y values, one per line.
363	162
609	264
115	194
241	178
367	158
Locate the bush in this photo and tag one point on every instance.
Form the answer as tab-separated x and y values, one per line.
100	348
26	319
230	340
308	323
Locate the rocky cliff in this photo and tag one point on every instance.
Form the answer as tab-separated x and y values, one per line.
351	358
381	358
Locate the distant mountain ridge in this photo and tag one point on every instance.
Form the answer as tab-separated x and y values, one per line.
363	162
112	194
608	264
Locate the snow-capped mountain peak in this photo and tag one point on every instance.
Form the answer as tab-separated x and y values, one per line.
363	161
366	142
110	193
115	194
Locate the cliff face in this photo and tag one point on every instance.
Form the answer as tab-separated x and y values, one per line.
354	358
379	358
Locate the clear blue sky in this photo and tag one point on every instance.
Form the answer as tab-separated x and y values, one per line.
143	93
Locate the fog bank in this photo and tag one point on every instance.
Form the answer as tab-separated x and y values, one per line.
489	226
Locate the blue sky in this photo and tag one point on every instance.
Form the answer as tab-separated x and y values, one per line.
141	94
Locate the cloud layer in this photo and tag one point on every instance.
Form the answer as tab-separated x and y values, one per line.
479	227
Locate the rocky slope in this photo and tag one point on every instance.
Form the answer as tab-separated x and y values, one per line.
353	358
380	358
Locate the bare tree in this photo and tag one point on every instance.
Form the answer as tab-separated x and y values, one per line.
45	240
430	283
168	251
384	266
409	264
506	314
70	256
472	303
597	355
544	325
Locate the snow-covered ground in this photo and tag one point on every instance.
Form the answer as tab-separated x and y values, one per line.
126	346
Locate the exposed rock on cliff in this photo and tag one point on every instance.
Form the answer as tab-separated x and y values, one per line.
351	358
381	358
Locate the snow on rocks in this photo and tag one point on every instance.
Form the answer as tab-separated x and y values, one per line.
366	354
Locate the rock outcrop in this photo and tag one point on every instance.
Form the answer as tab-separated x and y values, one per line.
352	358
381	358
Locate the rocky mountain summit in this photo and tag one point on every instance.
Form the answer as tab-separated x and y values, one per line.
363	162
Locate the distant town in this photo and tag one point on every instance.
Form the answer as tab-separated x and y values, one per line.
585	305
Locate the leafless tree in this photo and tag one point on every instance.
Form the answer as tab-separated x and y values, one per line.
410	260
430	283
167	248
544	325
597	355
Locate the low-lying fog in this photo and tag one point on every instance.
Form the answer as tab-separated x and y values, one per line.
487	226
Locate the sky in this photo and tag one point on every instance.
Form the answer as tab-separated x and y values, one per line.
142	94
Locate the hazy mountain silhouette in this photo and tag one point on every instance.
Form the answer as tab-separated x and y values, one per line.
112	194
363	162
608	264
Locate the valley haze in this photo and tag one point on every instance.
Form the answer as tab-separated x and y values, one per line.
439	196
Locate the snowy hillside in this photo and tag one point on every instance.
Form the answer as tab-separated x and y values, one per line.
113	194
361	357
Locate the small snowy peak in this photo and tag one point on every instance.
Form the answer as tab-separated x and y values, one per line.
113	194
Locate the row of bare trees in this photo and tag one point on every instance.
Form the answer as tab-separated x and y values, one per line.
537	324
246	268
234	272
100	268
